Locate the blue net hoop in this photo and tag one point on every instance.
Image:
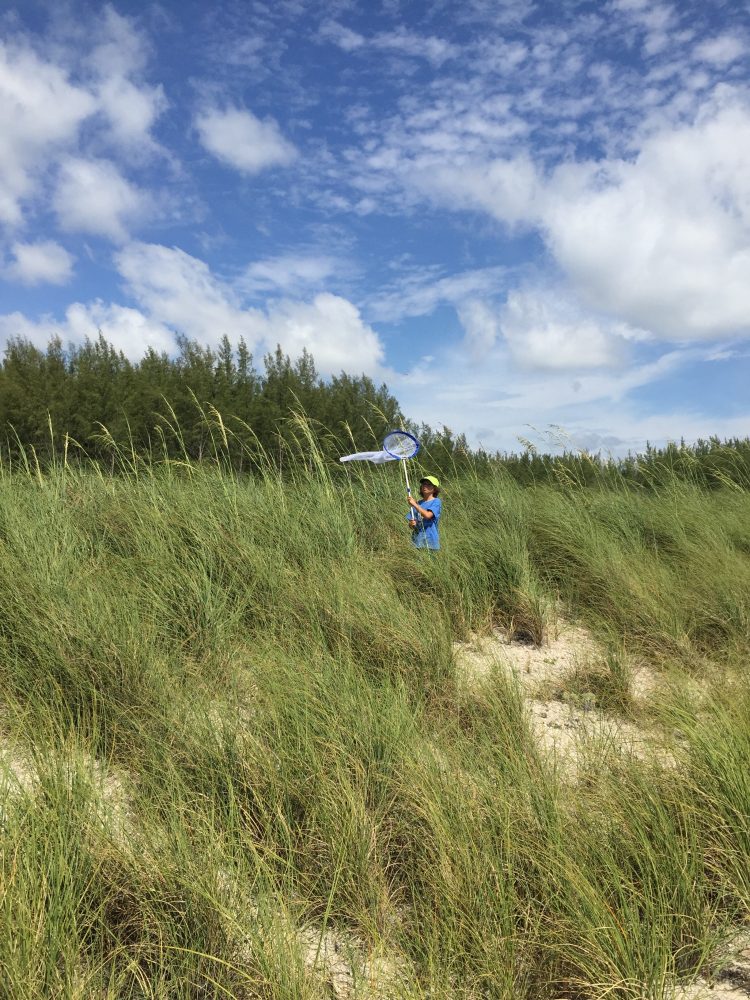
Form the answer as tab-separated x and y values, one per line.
400	444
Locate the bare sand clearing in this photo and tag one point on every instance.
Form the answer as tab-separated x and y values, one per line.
563	722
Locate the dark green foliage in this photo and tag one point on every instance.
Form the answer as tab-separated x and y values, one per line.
65	401
91	399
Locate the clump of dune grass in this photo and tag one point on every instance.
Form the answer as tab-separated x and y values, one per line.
253	770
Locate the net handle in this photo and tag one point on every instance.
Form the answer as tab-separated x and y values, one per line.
406	477
413	515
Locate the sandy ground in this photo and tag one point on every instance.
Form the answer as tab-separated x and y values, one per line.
732	981
561	723
18	776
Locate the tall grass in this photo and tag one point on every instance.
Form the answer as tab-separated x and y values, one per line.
235	744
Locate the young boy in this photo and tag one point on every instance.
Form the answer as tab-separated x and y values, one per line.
425	515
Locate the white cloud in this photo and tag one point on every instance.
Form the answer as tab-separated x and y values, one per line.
242	141
180	291
40	112
119	49
92	196
131	111
496	398
722	50
507	188
331	328
46	96
418	292
399	41
657	240
663	241
343	37
481	322
178	294
128	330
288	273
40	263
545	330
130	106
408	43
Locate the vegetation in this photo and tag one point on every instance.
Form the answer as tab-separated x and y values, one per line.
63	403
239	756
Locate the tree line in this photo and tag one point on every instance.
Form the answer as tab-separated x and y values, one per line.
88	399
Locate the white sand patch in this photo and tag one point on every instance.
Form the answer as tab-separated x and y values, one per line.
732	979
565	722
16	774
20	776
572	647
348	969
565	731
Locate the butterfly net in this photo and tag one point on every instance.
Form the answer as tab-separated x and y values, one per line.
400	444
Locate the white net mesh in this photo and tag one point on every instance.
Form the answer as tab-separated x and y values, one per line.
401	444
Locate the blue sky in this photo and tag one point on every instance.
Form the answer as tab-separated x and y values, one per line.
521	215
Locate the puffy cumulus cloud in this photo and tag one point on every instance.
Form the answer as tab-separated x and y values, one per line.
47	95
658	240
40	112
45	262
507	188
331	328
126	329
92	196
663	241
132	111
545	330
180	291
129	330
178	294
242	141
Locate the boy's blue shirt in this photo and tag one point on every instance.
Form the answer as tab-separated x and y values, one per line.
425	535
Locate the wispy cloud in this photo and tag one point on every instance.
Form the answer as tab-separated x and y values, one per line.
418	291
399	41
289	274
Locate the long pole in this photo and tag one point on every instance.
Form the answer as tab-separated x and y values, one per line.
412	512
406	477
